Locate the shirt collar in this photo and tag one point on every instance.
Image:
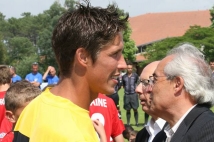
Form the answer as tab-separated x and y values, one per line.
170	131
154	127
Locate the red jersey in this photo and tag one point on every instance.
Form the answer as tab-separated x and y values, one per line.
2	107
104	109
6	133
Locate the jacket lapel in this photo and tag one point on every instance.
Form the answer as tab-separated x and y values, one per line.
188	122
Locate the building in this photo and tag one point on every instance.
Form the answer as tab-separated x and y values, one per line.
153	27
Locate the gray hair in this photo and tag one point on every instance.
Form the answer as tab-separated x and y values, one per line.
189	63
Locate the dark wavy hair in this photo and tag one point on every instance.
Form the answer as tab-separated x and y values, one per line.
87	27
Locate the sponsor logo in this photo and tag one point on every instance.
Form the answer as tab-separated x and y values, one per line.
2	101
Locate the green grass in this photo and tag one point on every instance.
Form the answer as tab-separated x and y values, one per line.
132	121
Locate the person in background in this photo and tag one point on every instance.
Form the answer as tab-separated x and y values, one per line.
131	101
133	135
5	82
34	77
212	67
50	76
182	94
104	110
17	97
127	132
83	40
154	129
15	77
212	64
115	97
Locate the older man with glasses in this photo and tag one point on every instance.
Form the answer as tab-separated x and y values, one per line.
153	130
182	93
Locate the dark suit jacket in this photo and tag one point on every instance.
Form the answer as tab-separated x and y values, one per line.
143	136
197	126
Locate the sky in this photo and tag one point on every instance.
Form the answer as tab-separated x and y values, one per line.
14	8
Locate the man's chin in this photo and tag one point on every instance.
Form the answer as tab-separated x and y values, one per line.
108	92
145	109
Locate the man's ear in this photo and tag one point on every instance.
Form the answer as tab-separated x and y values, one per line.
82	56
10	116
179	84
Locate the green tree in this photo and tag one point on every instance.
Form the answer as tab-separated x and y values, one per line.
3	53
24	66
29	37
212	16
55	10
130	47
19	47
50	17
69	4
26	14
201	37
2	17
158	50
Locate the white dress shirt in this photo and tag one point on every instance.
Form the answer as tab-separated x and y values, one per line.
170	131
154	127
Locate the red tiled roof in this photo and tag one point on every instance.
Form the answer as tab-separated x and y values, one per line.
155	26
140	57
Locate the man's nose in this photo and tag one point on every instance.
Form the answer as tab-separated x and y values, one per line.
122	63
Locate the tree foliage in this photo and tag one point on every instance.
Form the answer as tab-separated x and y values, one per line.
2	52
212	16
201	37
28	39
130	47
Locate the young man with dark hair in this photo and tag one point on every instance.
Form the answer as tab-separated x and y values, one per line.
88	45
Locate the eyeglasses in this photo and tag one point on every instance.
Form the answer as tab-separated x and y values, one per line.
155	78
152	80
147	82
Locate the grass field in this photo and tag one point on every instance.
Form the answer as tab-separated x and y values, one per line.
123	112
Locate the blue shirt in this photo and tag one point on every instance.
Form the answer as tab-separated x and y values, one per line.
16	78
52	79
34	77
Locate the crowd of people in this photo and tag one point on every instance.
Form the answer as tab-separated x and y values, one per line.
35	77
177	91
